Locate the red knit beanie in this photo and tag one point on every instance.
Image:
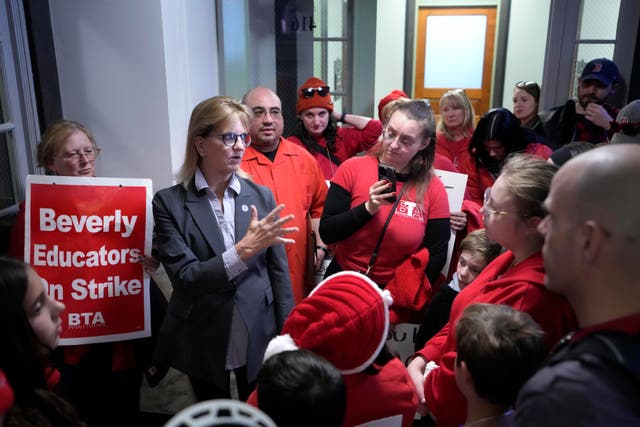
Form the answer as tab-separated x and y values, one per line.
392	96
345	319
315	101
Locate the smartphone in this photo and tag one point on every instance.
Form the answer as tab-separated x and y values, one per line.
388	173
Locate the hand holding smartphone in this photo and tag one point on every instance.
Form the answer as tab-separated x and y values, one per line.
388	173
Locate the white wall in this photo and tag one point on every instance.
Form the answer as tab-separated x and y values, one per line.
526	45
390	47
132	71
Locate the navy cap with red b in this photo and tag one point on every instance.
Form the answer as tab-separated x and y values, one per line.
603	70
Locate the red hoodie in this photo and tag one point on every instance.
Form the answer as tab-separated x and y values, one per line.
521	287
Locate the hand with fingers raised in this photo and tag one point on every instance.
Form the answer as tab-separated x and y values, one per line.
265	232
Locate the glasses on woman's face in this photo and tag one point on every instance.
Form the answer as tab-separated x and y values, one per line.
307	92
390	136
487	207
229	139
74	156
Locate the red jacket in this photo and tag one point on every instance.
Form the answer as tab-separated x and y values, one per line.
521	287
349	142
479	177
453	150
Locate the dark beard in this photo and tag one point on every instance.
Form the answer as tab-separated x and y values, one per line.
589	100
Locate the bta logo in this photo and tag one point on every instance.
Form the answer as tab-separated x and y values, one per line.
85	319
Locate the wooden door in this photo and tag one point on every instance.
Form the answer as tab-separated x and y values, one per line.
441	60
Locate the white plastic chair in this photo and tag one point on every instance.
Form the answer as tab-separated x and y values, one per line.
220	412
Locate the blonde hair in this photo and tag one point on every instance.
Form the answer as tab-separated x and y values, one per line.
210	115
54	138
528	179
457	98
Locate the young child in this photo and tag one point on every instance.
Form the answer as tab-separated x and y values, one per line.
499	349
476	252
30	326
299	387
345	319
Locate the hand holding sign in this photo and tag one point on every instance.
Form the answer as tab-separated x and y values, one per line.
264	233
86	238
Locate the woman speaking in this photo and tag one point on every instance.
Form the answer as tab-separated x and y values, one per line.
231	287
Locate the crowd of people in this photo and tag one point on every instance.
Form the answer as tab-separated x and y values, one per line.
536	322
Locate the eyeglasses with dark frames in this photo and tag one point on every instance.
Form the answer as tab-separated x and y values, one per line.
308	92
229	139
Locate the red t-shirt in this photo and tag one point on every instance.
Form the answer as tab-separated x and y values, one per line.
406	230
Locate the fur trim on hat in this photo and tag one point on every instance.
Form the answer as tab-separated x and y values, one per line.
345	319
279	344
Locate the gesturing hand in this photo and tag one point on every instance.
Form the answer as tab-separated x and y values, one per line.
597	115
377	197
265	232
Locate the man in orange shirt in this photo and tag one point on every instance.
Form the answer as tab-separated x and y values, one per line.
294	177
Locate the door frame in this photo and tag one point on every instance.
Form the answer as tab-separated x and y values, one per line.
480	97
499	58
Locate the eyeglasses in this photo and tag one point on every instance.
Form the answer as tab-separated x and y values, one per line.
259	113
490	209
75	155
390	136
307	92
230	138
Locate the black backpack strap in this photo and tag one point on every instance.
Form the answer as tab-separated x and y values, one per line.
325	152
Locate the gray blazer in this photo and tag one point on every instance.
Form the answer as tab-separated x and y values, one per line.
195	333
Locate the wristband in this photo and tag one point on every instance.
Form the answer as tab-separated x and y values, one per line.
325	250
342	117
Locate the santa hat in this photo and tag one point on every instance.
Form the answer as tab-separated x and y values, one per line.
315	100
6	394
345	319
392	96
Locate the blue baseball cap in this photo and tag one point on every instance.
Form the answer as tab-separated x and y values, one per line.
601	69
